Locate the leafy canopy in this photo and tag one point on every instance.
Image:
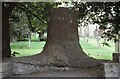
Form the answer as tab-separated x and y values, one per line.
105	14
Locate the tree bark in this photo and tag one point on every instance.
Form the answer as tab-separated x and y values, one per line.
5	35
6	11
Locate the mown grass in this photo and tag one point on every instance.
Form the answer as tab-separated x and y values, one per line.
24	50
91	48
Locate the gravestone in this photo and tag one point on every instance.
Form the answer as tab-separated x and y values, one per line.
116	57
111	70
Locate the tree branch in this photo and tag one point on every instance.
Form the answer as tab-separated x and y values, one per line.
30	24
26	10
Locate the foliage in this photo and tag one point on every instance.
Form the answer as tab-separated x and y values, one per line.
105	43
30	16
18	25
105	14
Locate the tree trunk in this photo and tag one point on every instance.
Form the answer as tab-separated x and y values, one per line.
5	35
0	32
6	11
62	47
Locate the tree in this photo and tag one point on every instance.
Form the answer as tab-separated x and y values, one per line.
19	25
34	15
6	11
105	14
110	16
62	47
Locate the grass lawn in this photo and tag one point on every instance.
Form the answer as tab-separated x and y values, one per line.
91	48
24	50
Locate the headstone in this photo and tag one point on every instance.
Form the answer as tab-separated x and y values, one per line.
111	70
116	57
